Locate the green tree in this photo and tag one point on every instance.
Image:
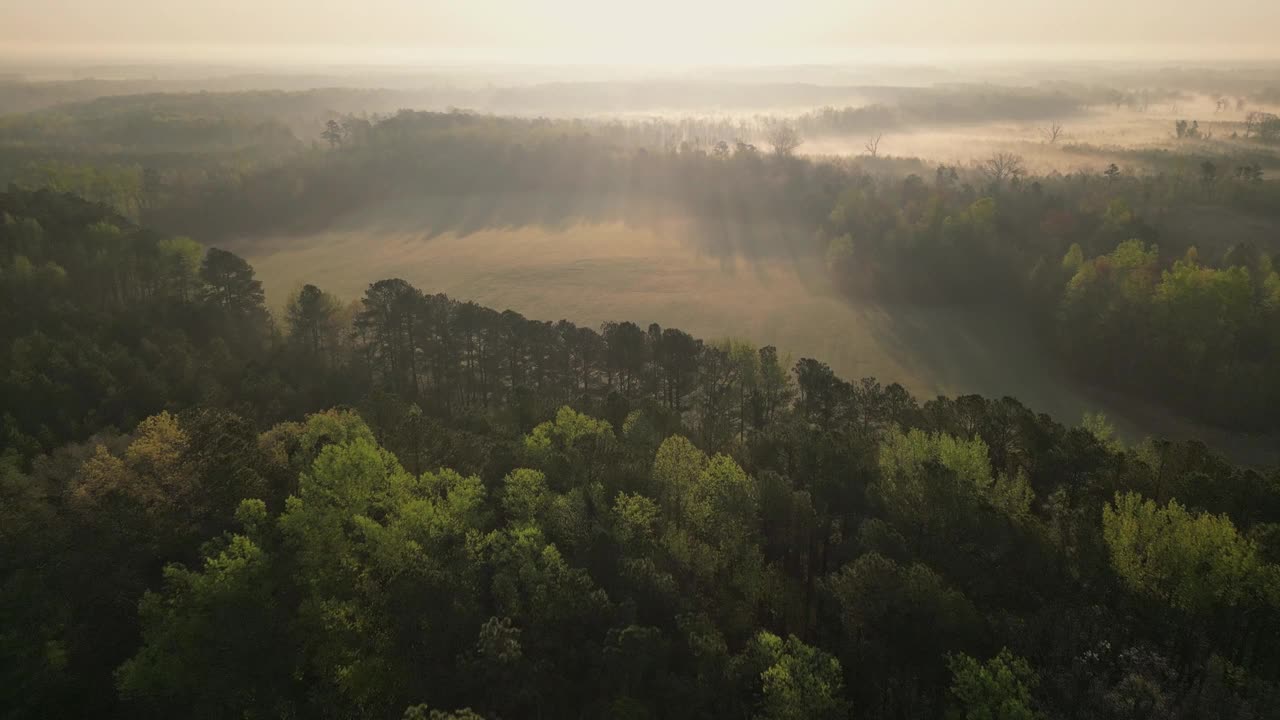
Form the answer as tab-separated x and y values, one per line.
575	449
898	622
799	682
312	316
376	552
180	259
525	496
231	285
999	689
1193	562
212	640
903	485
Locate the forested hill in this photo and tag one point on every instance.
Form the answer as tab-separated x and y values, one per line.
413	505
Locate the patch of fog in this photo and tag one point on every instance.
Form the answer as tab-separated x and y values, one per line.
1088	140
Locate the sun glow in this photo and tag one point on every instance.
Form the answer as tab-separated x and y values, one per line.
653	33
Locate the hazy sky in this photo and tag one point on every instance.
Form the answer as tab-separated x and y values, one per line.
644	30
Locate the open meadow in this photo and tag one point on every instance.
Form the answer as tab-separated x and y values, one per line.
592	272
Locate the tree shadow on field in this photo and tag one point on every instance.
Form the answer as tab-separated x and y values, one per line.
989	350
728	233
982	349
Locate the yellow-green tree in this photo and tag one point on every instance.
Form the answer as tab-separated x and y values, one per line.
999	689
1191	561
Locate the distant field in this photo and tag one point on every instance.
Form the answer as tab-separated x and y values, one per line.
590	273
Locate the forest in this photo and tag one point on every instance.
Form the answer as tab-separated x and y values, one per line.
224	494
411	506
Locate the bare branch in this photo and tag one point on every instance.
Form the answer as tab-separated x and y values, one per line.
1002	166
873	146
783	137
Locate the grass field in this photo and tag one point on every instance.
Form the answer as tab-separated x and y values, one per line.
590	273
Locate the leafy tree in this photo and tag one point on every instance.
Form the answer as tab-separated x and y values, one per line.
525	495
898	622
999	689
314	323
676	469
574	448
231	285
903	460
211	638
1102	430
1190	561
799	681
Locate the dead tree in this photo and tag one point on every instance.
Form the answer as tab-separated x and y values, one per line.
872	146
1052	133
1002	166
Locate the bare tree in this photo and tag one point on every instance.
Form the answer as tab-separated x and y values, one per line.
1002	166
1052	133
783	137
1251	123
1263	126
873	146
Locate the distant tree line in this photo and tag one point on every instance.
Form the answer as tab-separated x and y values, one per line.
909	108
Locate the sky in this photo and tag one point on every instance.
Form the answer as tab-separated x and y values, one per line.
641	31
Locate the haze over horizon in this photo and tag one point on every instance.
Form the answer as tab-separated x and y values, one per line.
577	31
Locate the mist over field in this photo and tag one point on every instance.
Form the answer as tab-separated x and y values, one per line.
429	360
287	164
